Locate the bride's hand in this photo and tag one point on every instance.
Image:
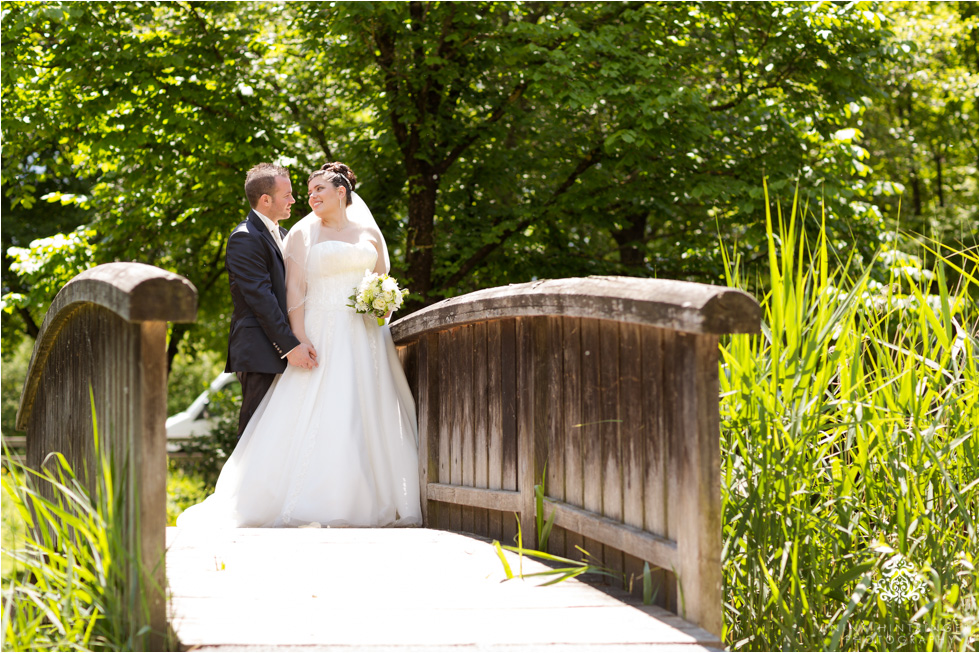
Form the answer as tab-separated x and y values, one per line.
303	355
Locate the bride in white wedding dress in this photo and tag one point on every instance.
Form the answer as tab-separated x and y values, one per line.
335	445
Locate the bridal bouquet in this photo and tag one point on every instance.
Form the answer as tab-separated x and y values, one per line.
377	294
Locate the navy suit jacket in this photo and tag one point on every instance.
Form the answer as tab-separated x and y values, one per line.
260	334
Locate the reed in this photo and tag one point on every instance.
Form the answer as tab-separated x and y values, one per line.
850	453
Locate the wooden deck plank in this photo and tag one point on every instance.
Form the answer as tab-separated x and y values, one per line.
390	589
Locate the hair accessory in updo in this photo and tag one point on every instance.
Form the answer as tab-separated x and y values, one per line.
340	175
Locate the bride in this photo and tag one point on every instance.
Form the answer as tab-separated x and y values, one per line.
334	445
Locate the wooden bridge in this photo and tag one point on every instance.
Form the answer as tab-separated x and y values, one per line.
605	387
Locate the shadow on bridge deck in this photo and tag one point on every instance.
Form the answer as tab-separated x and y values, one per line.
391	590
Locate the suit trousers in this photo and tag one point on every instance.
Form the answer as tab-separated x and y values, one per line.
254	387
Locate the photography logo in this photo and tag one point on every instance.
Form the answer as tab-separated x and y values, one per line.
900	582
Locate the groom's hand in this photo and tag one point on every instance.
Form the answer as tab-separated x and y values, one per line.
303	355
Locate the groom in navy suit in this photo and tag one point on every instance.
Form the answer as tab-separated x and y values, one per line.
261	342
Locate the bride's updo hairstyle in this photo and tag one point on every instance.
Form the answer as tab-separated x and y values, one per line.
339	175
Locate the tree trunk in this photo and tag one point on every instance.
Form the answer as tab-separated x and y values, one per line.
630	240
939	180
916	193
30	326
176	335
421	220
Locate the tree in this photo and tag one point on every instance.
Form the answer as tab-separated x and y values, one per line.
496	142
924	132
526	130
155	107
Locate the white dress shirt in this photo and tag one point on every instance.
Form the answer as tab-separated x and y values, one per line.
273	229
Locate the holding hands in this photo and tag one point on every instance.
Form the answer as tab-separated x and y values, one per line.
303	355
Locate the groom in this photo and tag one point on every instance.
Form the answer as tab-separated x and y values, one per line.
261	341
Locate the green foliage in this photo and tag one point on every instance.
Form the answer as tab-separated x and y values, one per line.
73	585
193	370
15	364
850	442
206	454
922	141
12	536
44	267
543	525
159	107
184	489
528	130
561	569
648	591
496	142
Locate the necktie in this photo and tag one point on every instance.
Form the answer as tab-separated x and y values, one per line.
278	239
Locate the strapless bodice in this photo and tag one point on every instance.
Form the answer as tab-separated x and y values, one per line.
335	269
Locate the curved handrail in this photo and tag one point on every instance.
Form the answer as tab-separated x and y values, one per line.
676	305
136	292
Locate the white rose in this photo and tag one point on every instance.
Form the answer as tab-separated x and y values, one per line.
389	285
379	304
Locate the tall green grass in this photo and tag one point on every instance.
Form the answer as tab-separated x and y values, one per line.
77	585
850	454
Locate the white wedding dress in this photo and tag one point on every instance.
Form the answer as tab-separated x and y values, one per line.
335	445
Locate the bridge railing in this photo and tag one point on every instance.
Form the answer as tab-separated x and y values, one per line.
606	388
107	330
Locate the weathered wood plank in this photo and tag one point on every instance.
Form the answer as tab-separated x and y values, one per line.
671	375
674	376
445	420
480	409
699	459
428	402
609	430
654	454
635	541
676	305
456	402
591	428
527	426
632	432
506	500
656	432
495	436
572	401
150	463
632	425
464	384
555	422
508	392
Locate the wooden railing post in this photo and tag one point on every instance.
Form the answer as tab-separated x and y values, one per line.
106	331
607	387
698	463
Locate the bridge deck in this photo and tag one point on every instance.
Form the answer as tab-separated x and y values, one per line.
391	590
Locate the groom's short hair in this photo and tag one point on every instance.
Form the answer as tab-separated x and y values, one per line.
261	180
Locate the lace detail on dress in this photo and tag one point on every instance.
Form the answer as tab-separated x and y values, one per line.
336	268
